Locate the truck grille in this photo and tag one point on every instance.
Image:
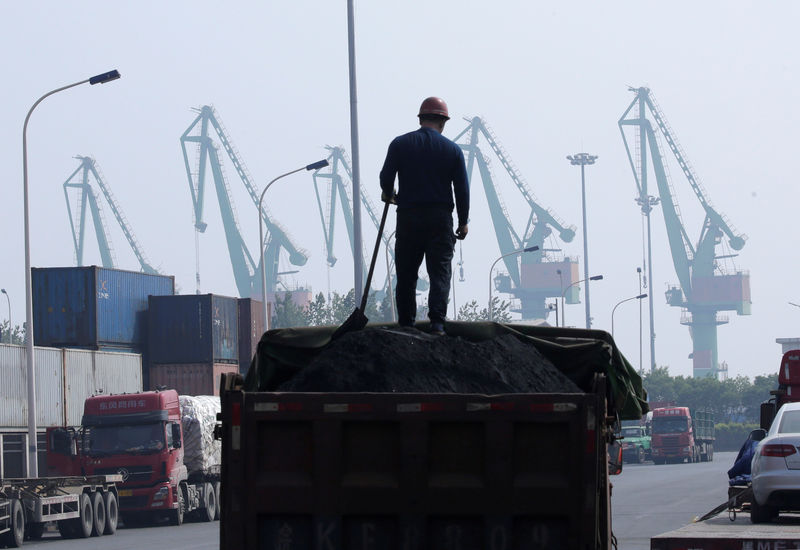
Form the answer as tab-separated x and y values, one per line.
130	474
673	441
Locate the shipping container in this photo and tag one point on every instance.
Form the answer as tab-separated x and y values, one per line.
193	328
93	307
190	378
251	327
64	379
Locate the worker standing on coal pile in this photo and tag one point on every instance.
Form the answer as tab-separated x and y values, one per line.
430	169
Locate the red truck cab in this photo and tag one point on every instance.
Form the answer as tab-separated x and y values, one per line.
137	436
672	438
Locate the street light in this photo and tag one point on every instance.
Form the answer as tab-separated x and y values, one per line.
315	166
582	160
33	467
639	297
520	251
3	291
563	312
561	287
554	306
389	277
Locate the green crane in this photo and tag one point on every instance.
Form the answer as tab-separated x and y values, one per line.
706	285
78	188
540	276
246	271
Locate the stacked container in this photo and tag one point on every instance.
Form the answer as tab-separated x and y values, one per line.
93	307
251	328
193	339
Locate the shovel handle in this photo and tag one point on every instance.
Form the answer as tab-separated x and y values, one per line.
374	257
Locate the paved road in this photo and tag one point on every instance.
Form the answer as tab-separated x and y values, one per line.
649	500
189	536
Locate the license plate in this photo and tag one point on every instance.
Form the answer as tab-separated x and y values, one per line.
126	492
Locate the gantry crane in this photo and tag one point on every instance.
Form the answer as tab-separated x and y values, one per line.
78	185
246	271
541	274
707	285
338	189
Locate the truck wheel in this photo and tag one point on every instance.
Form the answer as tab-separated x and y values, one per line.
209	511
112	512
83	524
176	515
98	514
658	461
16	535
219	502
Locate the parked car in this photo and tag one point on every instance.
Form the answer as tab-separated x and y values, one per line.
776	466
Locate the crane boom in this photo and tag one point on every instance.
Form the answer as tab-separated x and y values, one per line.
87	196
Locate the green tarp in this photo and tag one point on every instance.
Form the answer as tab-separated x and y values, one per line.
578	353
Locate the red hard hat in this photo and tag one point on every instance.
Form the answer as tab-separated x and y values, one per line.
434	106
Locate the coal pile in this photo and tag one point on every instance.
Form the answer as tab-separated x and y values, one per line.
410	361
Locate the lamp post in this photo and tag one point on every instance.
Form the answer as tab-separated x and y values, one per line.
561	287
389	277
315	166
583	159
639	271
520	251
554	306
33	467
639	297
563	312
3	291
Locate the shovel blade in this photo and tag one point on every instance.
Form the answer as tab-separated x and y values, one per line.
355	322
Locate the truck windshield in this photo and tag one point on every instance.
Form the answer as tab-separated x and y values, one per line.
666	425
126	439
631	432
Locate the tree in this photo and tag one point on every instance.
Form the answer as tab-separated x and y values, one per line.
471	312
17	334
287	313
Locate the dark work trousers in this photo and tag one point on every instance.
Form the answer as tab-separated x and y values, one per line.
422	232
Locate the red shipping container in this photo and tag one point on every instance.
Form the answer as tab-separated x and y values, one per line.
190	378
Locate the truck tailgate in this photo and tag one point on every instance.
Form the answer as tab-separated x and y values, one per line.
337	470
719	533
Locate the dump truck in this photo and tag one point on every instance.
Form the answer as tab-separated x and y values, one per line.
81	506
161	444
424	470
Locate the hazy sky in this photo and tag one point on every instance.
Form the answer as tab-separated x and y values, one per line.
550	78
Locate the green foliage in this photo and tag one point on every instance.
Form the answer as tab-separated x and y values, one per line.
735	399
471	311
321	312
17	334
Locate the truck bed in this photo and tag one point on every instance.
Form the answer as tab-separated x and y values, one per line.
719	533
412	471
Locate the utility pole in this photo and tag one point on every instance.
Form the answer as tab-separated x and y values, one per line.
583	159
358	260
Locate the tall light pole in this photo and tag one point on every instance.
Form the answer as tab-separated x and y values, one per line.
520	251
561	288
358	261
3	291
33	466
639	297
389	277
563	312
583	159
261	246
639	271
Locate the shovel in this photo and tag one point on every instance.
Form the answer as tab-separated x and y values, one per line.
358	319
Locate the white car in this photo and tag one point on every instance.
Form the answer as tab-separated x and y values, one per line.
776	467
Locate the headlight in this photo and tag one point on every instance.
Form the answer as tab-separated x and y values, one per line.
161	494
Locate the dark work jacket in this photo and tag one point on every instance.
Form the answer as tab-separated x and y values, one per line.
429	169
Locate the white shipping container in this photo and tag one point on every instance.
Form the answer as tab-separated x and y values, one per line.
58	403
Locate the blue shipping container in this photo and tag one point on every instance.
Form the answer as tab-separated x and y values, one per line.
193	328
93	307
